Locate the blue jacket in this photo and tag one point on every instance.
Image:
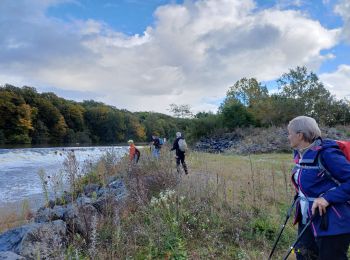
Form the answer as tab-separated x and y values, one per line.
314	182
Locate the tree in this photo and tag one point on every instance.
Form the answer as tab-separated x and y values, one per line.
181	111
247	91
235	114
310	96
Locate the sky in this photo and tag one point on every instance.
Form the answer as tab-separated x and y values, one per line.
143	55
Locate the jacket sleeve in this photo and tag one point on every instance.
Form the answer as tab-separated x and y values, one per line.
174	145
339	167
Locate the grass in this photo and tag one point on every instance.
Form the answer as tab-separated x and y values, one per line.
228	207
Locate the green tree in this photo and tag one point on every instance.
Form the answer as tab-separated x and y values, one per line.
181	111
235	114
310	96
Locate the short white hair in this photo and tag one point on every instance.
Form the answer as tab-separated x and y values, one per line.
307	126
178	134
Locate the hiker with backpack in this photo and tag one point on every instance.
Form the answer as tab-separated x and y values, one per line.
321	177
134	153
180	148
157	145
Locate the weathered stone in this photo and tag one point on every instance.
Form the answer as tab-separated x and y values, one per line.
48	214
10	240
82	200
8	255
105	203
90	189
79	218
45	240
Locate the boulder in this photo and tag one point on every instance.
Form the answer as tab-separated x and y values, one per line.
46	240
90	189
29	241
79	219
48	214
11	239
8	255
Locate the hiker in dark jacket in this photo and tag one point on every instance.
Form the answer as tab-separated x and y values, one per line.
321	177
156	146
180	155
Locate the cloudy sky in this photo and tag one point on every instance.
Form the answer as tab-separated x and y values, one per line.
143	55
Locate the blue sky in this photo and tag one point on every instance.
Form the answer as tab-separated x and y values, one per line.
128	16
146	54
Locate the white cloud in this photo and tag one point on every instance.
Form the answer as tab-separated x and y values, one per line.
194	52
343	9
338	82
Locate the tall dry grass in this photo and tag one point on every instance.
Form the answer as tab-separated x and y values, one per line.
228	207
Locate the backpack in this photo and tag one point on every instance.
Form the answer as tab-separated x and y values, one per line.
182	145
344	146
161	141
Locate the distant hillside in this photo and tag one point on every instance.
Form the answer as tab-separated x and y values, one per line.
29	117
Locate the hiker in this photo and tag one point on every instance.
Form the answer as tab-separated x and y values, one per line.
134	153
157	145
180	147
321	177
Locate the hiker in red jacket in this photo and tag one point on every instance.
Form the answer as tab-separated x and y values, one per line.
321	177
134	153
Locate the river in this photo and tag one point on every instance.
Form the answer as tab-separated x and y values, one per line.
19	178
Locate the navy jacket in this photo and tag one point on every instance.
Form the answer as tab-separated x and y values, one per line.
314	182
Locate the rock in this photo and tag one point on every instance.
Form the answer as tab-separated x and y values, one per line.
82	200
45	240
48	214
105	203
79	219
10	240
90	189
8	255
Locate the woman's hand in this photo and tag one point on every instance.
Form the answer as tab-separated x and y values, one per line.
321	204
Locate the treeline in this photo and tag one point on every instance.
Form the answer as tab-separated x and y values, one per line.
249	103
29	117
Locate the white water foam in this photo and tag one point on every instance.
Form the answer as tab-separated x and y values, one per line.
19	179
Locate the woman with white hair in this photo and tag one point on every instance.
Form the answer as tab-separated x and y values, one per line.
321	177
180	152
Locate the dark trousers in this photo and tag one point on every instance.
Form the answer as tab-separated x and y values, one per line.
181	158
321	248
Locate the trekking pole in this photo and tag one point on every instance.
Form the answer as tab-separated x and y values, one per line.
289	212
299	236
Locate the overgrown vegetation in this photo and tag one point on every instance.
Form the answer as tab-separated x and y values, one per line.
228	207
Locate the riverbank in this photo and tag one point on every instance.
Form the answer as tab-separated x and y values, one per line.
228	207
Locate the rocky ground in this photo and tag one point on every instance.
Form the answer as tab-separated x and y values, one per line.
259	140
48	234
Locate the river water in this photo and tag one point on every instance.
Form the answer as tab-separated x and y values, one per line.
19	178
